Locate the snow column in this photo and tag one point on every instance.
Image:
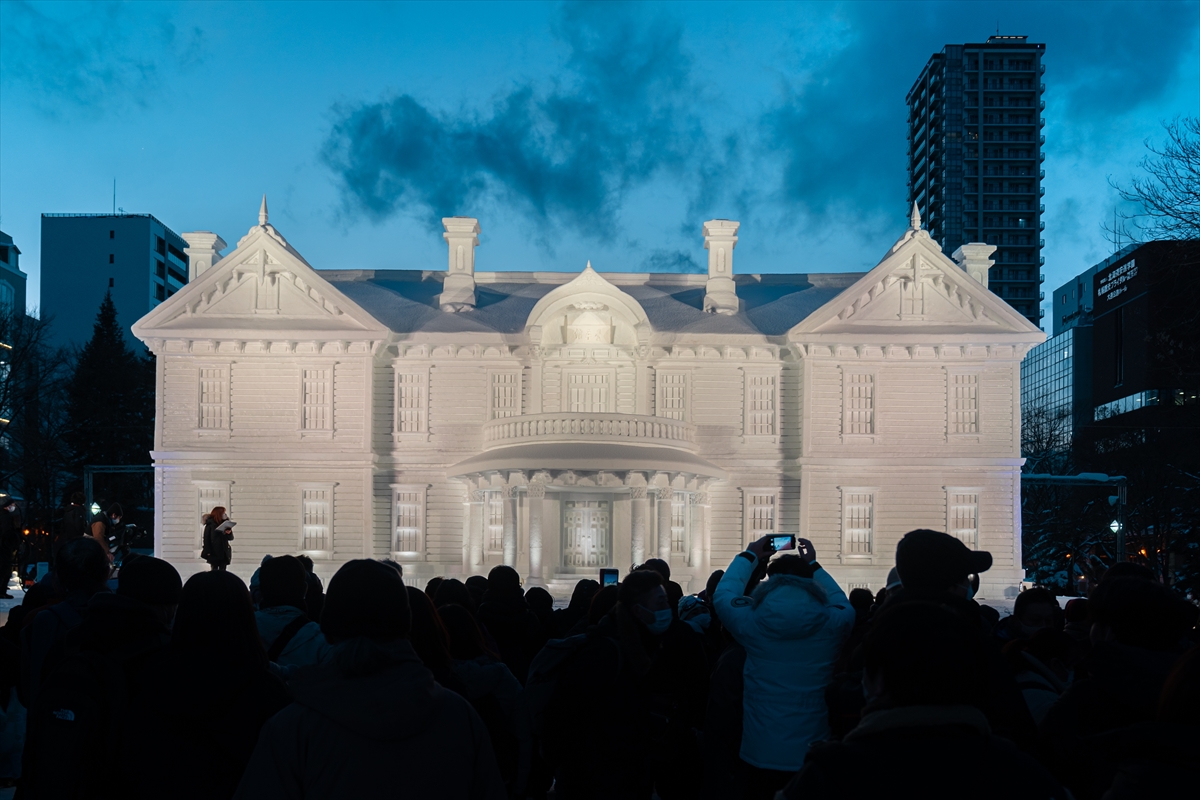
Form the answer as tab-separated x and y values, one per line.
510	525
475	541
535	493
666	499
639	513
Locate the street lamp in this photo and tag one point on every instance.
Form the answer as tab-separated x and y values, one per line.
1114	526
95	508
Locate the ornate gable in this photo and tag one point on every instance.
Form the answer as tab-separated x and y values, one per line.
588	310
914	291
263	287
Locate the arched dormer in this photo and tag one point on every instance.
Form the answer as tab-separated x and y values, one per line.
588	310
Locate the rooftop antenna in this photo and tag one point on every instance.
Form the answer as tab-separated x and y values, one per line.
114	196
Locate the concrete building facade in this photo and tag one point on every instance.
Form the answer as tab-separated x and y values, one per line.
134	256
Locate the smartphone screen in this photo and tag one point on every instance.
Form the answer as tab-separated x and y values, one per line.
608	577
783	543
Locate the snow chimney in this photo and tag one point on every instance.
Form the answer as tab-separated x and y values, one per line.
720	237
203	250
458	290
975	261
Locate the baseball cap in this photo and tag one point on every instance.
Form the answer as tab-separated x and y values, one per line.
933	561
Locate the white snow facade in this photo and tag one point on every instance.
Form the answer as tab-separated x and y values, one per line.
454	420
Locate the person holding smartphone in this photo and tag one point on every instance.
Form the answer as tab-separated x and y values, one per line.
792	626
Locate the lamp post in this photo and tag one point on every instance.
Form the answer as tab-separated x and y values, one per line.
1094	479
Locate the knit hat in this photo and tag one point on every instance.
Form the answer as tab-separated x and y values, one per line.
932	561
151	581
366	598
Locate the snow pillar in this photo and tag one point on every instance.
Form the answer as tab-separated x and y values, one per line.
666	498
535	493
975	260
509	518
203	250
458	290
720	295
639	513
475	542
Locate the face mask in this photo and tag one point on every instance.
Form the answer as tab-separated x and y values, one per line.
662	620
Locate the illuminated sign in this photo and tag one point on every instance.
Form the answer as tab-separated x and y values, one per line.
1116	283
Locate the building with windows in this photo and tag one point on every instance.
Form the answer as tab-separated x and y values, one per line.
975	153
455	419
12	279
134	256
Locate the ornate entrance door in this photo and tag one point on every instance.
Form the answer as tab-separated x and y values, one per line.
587	533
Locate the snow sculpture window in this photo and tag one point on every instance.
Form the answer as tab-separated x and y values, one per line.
213	392
316	520
858	522
760	512
316	414
964	403
672	395
859	390
505	394
408	520
412	417
679	523
760	404
962	515
495	521
589	392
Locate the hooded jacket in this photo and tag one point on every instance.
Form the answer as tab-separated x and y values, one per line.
792	629
371	722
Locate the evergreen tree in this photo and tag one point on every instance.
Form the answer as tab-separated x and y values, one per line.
110	406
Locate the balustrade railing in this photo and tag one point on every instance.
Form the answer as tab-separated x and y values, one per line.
589	427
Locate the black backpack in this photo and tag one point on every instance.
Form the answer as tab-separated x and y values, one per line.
75	727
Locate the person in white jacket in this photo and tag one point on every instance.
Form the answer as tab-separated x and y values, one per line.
792	627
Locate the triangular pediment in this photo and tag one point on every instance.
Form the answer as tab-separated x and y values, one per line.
263	287
915	290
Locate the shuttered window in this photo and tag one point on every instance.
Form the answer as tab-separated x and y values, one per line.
964	403
316	514
214	398
963	516
411	416
317	407
506	394
858	522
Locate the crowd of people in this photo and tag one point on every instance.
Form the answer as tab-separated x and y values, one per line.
771	682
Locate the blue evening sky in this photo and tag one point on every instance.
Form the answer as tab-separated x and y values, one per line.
607	131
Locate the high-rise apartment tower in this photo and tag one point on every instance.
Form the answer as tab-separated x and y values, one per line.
975	153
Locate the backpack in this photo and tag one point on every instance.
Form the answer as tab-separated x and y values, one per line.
78	716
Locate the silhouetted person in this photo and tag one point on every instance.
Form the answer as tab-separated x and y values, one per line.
1034	610
922	734
292	640
431	586
78	727
1137	638
937	567
200	714
81	572
429	639
567	618
477	585
792	627
616	754
454	591
541	603
371	722
506	615
74	522
314	599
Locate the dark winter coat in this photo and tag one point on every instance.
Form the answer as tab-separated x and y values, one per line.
930	752
1122	690
1155	759
199	719
372	722
217	550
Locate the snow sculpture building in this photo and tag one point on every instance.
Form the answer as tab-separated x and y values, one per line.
455	420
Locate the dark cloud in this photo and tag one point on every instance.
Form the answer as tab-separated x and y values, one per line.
671	261
838	131
96	60
565	154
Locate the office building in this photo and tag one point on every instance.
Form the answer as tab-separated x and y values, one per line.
134	256
975	153
1110	323
12	279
